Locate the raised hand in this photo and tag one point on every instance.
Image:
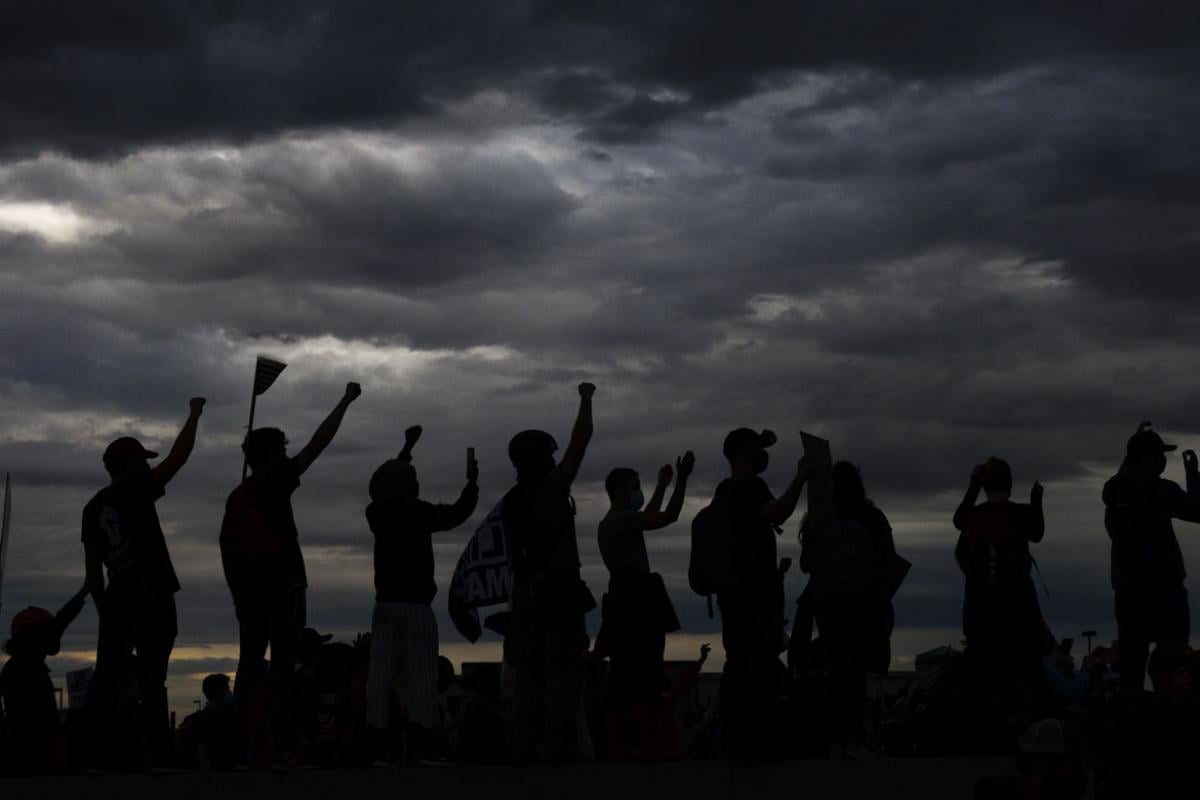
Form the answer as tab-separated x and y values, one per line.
686	464
196	405
1035	494
353	390
586	390
1189	460
977	473
411	436
665	473
472	467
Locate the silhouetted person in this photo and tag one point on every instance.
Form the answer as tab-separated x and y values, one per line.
850	589
637	611
122	534
30	714
404	633
1002	619
547	637
752	603
264	568
1147	565
208	738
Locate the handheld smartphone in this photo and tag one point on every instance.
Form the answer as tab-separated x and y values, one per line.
470	459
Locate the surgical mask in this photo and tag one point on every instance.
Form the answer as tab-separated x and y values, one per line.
636	500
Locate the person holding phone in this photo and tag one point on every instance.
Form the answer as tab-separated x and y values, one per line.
404	633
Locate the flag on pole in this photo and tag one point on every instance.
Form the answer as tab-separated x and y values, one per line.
266	370
4	524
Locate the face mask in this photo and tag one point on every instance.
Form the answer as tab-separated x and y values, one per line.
636	500
759	462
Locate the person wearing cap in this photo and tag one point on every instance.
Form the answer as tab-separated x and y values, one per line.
264	569
1002	618
404	633
123	537
30	726
752	615
1147	569
547	638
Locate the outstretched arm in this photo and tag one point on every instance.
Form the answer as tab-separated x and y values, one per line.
67	614
654	505
184	442
1037	521
653	520
581	434
962	516
781	508
326	430
449	517
94	581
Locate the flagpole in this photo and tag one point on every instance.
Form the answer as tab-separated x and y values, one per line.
250	427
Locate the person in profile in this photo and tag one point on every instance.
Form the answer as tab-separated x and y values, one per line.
404	633
1002	619
850	589
547	637
637	613
208	737
1147	569
122	535
264	569
29	727
751	598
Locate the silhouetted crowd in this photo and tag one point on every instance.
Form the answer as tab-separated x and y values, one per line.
796	677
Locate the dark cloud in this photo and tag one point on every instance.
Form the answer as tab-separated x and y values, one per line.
932	232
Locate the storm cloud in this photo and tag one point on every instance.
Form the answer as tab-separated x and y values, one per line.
933	232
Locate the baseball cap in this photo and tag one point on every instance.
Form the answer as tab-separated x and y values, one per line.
29	618
1050	737
1146	442
127	448
741	438
529	444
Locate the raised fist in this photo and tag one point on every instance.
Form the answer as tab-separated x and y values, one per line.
1189	460
353	390
196	404
1035	494
411	435
686	464
586	390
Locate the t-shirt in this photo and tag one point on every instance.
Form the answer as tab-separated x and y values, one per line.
404	562
1138	511
259	538
121	522
539	524
622	541
754	536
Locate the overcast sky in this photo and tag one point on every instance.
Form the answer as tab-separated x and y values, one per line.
929	231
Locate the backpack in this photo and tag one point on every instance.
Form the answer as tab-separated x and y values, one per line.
712	564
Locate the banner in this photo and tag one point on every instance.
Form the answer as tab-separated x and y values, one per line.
482	577
78	683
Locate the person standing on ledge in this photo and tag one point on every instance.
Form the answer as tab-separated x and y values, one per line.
547	639
637	611
264	568
1002	619
1147	565
122	534
404	633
